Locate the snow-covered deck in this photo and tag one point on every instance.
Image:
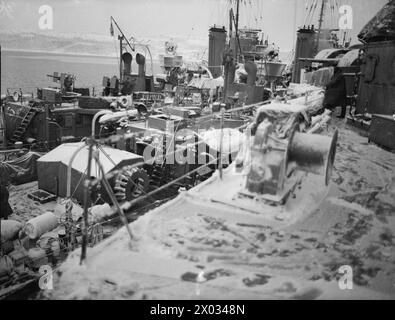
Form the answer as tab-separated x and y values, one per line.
252	254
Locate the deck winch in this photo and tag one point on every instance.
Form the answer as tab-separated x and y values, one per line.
276	164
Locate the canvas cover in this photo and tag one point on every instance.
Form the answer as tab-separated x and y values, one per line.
20	170
206	83
52	167
382	26
294	111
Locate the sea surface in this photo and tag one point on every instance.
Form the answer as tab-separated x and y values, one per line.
28	70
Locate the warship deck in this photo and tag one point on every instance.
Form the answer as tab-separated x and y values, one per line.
205	244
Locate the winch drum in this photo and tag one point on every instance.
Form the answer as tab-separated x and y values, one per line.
312	153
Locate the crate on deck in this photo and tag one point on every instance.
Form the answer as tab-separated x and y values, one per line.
42	196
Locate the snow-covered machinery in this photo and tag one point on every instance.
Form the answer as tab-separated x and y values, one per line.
275	166
131	183
54	177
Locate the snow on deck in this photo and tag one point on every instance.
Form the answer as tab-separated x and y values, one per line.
196	248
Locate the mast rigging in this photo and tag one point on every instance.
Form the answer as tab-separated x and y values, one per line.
320	21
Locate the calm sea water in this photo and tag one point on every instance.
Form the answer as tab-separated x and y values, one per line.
28	70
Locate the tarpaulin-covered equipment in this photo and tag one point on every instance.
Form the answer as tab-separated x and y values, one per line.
381	27
52	167
20	170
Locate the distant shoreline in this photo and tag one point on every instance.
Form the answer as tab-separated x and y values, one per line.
79	54
60	53
70	54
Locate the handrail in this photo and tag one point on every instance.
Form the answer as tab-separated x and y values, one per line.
98	114
68	179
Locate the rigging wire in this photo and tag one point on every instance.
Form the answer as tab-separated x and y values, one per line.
295	17
83	175
116	52
313	13
331	5
309	9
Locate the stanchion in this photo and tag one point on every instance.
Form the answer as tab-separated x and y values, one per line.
86	203
221	142
113	198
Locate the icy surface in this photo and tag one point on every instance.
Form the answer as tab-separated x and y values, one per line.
267	252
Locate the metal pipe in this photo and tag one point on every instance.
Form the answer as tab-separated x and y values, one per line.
68	181
127	59
140	60
208	72
47	123
120	57
59	127
113	198
151	60
86	204
221	142
100	113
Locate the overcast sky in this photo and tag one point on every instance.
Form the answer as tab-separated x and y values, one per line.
185	18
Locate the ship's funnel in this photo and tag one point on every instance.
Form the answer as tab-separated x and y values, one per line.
216	48
140	60
304	48
127	63
251	69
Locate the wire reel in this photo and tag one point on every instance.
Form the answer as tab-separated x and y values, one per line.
131	183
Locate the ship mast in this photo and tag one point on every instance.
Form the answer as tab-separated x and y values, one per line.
320	21
236	29
2	119
237	18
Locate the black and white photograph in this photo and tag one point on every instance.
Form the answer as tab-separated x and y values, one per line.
218	151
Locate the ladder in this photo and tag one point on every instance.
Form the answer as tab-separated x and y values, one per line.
20	131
